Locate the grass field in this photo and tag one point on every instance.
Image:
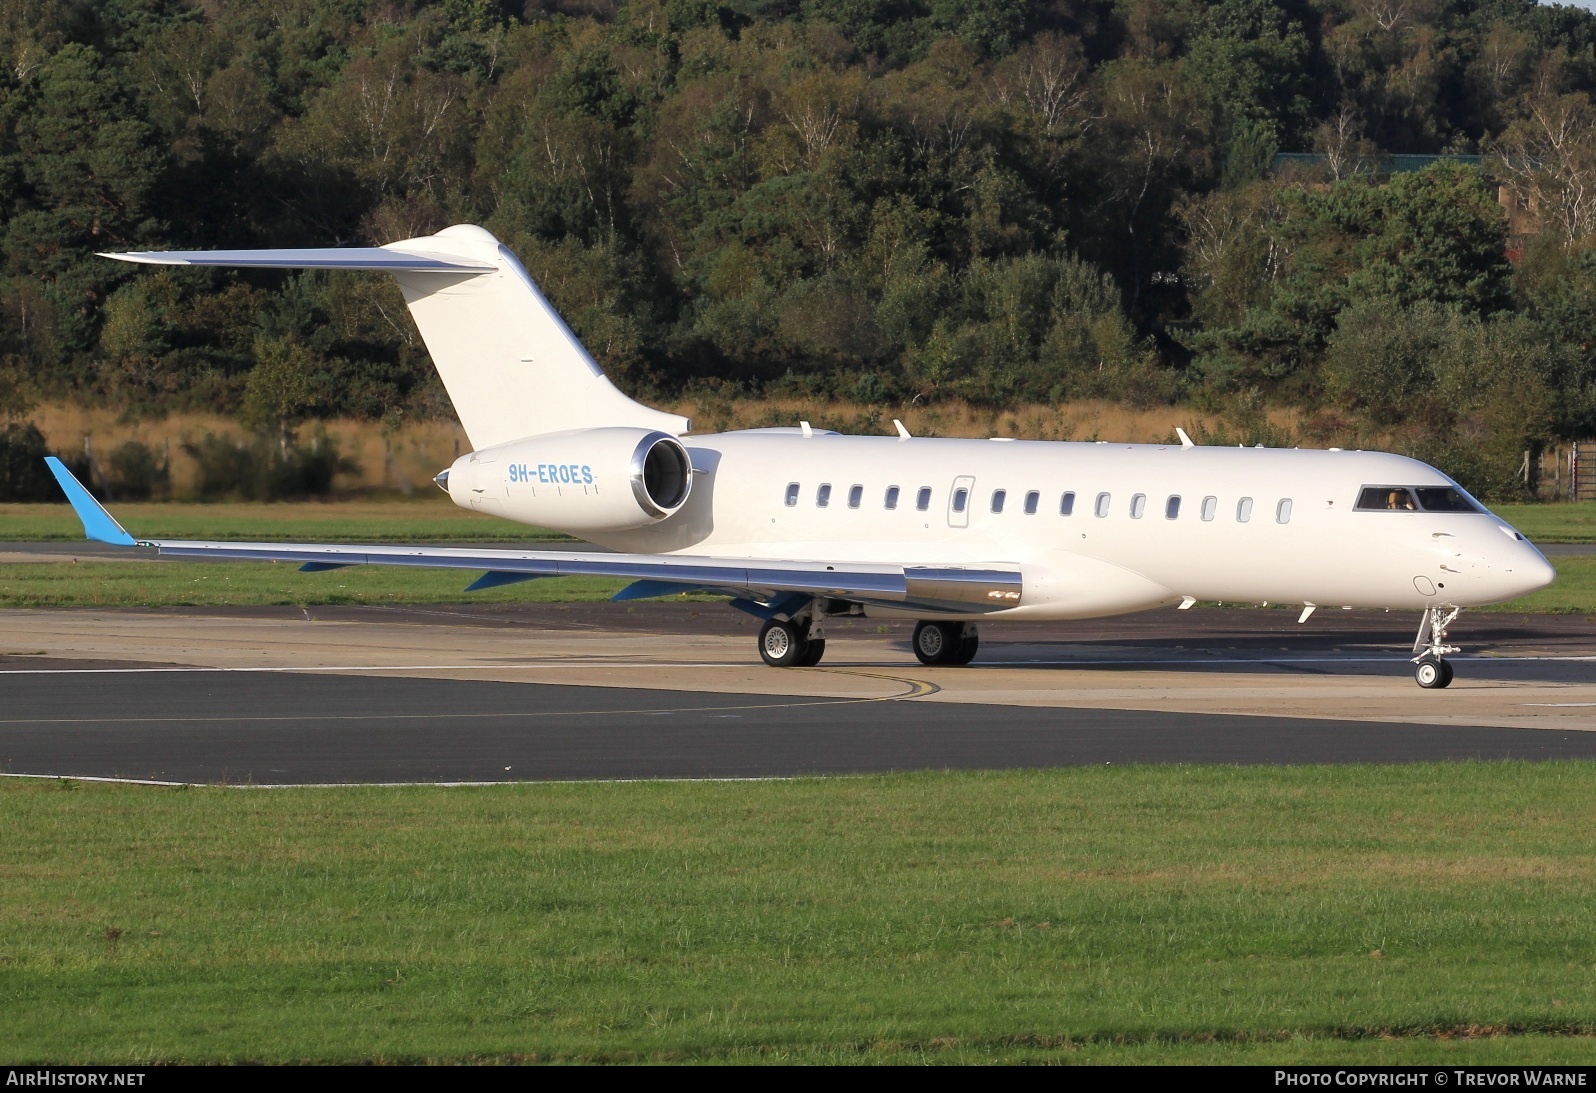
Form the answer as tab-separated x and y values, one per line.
209	584
427	517
174	584
1553	523
1409	913
99	583
430	517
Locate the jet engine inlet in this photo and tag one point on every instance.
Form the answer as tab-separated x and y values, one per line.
662	474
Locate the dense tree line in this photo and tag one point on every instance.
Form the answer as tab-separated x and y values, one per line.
878	200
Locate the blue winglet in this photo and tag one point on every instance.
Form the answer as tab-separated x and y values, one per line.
98	524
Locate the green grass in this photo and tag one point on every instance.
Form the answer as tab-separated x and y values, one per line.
428	517
207	584
210	584
1435	912
1561	522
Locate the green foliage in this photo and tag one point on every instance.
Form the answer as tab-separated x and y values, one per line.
984	199
23	474
265	469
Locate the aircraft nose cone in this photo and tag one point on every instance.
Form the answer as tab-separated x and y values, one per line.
1532	571
442	479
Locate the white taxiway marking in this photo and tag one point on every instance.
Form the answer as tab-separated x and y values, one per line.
445	785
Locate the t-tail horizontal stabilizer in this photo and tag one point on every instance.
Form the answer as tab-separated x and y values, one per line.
511	365
98	524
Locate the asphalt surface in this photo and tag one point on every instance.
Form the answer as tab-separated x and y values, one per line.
283	728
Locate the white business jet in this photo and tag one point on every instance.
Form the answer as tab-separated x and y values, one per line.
802	525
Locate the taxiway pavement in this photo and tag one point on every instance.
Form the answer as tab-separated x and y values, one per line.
511	692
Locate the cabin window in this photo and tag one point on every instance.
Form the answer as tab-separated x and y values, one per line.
922	500
1102	505
1283	511
892	498
855	495
998	497
1138	506
792	494
1032	499
1210	508
961	498
1066	504
1243	510
1172	507
823	495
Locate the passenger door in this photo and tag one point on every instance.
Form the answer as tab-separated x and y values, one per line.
960	497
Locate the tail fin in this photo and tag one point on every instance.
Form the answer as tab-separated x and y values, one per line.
510	364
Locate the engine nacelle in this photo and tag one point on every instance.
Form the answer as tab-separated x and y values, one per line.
581	482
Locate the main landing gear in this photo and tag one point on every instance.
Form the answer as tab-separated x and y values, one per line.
800	641
951	643
1430	668
791	643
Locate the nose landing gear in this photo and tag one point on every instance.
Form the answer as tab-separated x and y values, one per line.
1430	668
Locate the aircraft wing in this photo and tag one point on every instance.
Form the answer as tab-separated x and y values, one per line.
759	581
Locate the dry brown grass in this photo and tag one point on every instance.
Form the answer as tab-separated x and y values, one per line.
400	460
1085	420
406	457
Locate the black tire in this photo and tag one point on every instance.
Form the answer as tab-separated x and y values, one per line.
967	647
781	645
813	651
936	642
1430	673
1446	673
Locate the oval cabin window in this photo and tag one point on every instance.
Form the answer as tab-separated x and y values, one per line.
1172	507
855	495
1283	511
1210	508
1066	504
1138	506
1243	510
1102	505
1032	499
998	497
961	498
891	501
823	495
922	500
792	494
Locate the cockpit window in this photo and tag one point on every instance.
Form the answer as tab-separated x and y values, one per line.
1444	499
1414	499
1387	499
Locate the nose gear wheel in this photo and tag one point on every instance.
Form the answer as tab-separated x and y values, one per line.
1431	670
